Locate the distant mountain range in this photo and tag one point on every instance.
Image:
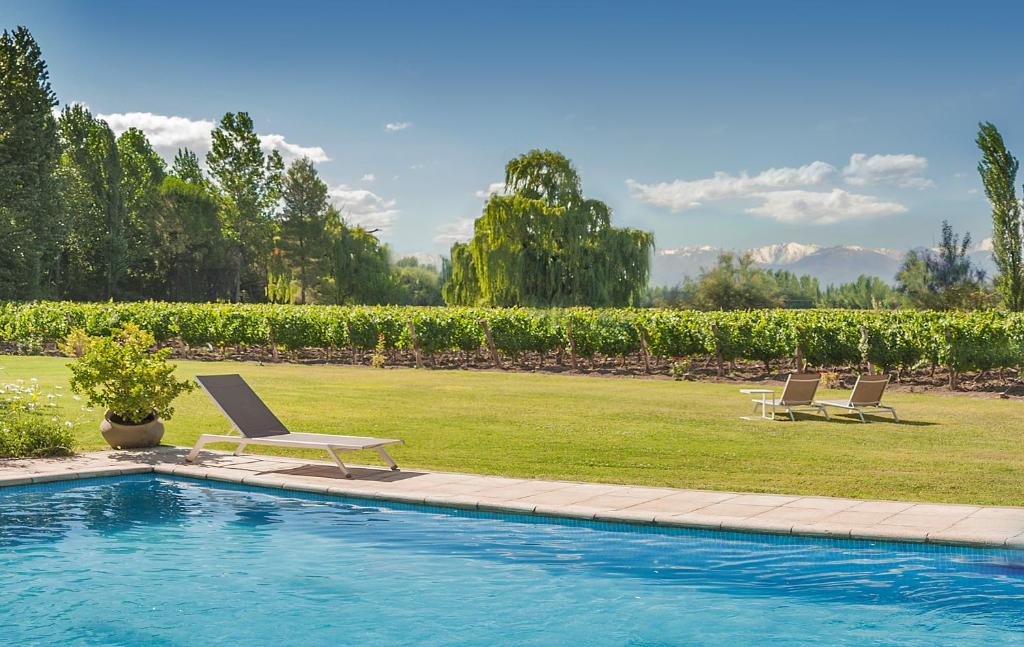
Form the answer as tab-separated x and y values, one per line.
830	265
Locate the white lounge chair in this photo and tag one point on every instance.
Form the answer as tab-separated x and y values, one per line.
866	397
258	425
797	395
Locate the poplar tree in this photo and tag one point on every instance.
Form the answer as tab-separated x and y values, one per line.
998	169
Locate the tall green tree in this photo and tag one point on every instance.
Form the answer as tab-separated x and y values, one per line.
29	151
735	284
304	237
251	184
142	173
866	293
998	169
416	284
944	279
186	167
545	244
191	254
95	243
357	266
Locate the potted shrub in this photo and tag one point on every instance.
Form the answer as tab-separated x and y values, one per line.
133	383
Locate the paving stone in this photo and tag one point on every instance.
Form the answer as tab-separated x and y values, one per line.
730	509
783	513
891	507
853	517
822	503
568	495
927	521
763	499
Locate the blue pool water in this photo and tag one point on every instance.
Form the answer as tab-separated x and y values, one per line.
158	561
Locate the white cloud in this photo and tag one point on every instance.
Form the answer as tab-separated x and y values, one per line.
395	126
680	195
364	208
494	188
822	207
984	245
455	232
369	177
169	133
902	170
291	151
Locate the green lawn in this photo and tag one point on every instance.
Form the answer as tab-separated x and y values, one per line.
648	432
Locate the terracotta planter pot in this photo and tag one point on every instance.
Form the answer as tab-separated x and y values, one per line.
121	436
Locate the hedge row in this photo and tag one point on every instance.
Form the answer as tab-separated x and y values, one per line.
962	341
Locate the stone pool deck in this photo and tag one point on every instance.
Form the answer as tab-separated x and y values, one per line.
964	525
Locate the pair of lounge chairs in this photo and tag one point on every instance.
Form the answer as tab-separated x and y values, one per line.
798	395
256	424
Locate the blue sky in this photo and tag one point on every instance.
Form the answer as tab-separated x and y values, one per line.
650	100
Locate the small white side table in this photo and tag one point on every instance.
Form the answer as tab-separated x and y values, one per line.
764	393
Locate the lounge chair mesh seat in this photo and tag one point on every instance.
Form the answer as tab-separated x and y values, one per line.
797	395
258	425
865	398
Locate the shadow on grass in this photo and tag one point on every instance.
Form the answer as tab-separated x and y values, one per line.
854	419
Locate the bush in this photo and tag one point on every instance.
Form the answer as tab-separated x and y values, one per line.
122	374
29	426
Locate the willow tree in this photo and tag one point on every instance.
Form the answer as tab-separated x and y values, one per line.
544	244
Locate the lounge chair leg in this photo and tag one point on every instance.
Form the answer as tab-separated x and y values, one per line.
238	450
192	455
387	458
825	412
792	418
861	414
337	459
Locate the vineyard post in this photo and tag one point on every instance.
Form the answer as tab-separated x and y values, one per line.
495	357
718	349
572	345
415	344
953	377
799	358
273	346
643	348
351	342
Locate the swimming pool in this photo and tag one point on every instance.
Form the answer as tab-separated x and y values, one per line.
148	560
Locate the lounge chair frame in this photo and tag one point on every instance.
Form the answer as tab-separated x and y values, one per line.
789	405
333	445
871	404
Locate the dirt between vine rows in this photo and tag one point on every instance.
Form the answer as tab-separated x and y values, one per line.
988	384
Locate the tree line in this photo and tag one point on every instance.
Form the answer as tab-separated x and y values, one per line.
941	279
87	215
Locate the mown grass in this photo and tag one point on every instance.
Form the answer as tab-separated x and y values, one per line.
647	432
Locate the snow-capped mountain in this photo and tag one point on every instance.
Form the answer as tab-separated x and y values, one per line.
830	265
